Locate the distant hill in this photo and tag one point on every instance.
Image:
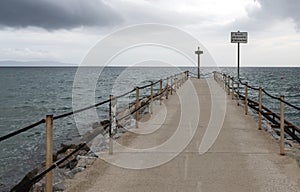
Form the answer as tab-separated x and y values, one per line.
10	63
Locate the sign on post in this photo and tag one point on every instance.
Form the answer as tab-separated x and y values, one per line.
239	37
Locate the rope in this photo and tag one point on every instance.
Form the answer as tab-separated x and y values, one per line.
53	166
2	138
80	110
279	99
22	130
268	94
117	97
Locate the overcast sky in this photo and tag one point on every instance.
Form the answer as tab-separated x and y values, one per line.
65	30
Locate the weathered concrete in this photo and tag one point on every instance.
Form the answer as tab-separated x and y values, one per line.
241	159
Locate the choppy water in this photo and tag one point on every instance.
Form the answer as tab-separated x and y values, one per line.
28	94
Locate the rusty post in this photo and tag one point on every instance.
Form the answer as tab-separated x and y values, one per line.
260	108
137	96
49	151
246	99
282	152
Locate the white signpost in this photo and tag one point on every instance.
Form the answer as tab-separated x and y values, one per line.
239	37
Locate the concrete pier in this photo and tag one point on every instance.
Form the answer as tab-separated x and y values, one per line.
233	157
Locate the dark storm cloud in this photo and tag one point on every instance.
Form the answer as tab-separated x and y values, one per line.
270	12
278	9
56	14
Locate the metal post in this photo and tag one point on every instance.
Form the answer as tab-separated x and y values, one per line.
246	99
160	92
232	88
137	93
110	150
151	97
49	151
282	152
260	108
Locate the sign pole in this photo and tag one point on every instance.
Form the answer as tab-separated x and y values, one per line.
239	37
198	52
238	61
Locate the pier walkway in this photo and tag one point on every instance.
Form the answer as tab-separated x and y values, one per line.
242	158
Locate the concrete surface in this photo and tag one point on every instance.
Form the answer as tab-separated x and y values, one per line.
241	158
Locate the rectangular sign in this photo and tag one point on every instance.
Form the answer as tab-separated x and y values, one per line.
239	37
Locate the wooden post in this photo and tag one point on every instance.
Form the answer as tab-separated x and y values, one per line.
151	97
225	80
49	151
282	152
137	96
246	99
228	85
260	108
160	92
232	88
110	147
171	85
175	76
228	78
167	88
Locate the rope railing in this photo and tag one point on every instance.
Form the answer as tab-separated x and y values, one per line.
277	120
177	79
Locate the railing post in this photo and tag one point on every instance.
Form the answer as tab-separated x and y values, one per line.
282	152
246	99
232	88
110	147
49	151
137	96
228	85
260	108
167	88
160	92
225	80
171	85
151	97
175	76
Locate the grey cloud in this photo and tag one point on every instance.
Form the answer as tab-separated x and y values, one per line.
271	11
57	14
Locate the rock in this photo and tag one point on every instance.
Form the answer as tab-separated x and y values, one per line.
59	187
25	184
85	161
77	170
104	122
